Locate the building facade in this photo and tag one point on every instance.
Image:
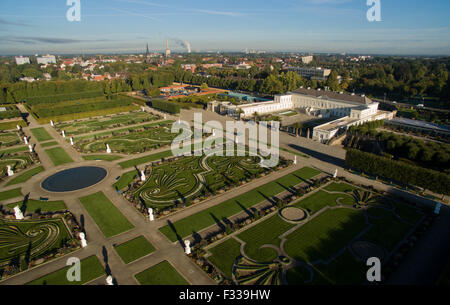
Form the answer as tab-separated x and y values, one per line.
46	59
20	60
311	72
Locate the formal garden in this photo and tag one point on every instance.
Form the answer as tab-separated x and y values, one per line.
322	238
18	159
128	140
48	231
106	122
177	182
9	138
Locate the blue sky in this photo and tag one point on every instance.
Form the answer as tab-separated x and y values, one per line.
407	26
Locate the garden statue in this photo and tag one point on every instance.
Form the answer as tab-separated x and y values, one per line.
52	123
109	280
25	139
143	109
437	208
108	149
150	214
83	239
295	160
18	127
214	132
165	116
31	148
9	171
143	178
18	213
335	173
71	141
187	248
63	134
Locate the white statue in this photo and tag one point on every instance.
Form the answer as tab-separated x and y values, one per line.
237	140
143	109
52	123
150	214
30	148
63	134
9	171
18	213
71	141
214	132
295	160
109	280
187	248
18	127
143	178
165	116
25	139
108	149
437	208
83	239
335	173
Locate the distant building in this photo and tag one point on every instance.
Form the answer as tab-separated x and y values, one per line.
20	60
190	67
167	52
312	72
46	59
307	59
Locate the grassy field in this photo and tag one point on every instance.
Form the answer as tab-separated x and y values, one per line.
90	270
208	217
12	124
8	139
11	194
125	180
49	144
224	255
108	218
134	249
43	206
41	134
24	177
321	199
58	156
102	157
14	150
161	274
340	187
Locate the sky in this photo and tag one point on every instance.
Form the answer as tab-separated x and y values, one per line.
407	27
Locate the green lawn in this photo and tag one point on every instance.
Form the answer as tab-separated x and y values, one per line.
41	134
109	219
321	199
161	274
125	179
58	156
11	194
146	159
26	176
325	235
208	217
224	255
134	249
340	187
49	144
44	206
14	150
102	157
91	269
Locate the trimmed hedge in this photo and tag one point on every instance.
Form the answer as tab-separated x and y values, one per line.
62	97
166	106
398	171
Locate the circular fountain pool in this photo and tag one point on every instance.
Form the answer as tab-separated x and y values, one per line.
74	179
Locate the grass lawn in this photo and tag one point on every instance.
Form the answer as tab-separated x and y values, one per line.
146	159
224	255
321	199
26	176
161	274
14	150
12	125
340	187
58	156
90	270
102	157
44	206
325	235
109	219
41	134
134	249
11	194
49	144
266	232
208	217
125	179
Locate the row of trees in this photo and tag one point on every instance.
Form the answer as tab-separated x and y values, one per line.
166	106
398	171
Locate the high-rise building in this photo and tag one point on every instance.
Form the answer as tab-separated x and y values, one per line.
168	52
20	60
46	59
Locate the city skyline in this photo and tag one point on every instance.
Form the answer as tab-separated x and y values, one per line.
318	26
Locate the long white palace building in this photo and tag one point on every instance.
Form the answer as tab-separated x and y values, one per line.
349	109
